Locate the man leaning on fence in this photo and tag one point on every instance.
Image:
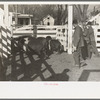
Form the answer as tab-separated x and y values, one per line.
78	43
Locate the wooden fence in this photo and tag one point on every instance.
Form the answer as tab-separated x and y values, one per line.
97	36
56	32
5	35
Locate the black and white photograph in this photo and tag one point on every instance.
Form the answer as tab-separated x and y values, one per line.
49	42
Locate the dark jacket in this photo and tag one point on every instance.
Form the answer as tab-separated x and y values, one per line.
86	35
91	34
78	40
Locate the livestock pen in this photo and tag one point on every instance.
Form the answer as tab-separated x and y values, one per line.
22	66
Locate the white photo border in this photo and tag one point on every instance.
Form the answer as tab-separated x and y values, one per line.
50	90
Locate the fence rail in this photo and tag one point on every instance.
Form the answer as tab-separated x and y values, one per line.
58	32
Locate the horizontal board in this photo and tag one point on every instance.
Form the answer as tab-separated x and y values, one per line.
97	39
98	50
15	36
37	34
98	44
39	31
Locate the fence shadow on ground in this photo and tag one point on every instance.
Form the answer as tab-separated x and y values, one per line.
23	67
86	73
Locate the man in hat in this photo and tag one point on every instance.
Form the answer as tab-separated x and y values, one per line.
87	42
92	41
78	43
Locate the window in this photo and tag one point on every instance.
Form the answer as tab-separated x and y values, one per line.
48	18
48	23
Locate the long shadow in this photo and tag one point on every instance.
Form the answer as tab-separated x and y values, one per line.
60	76
35	68
56	77
2	70
30	70
20	70
85	74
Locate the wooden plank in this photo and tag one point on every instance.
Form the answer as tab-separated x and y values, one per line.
98	44
98	50
98	39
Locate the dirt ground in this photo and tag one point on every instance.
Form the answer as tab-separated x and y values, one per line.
60	67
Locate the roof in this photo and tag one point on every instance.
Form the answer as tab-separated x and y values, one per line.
47	16
23	15
92	19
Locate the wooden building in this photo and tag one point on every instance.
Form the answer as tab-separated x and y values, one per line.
23	19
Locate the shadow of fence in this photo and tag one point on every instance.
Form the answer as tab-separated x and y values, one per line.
25	67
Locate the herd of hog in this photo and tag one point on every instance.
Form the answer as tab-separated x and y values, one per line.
41	46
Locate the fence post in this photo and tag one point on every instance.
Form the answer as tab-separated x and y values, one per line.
9	33
70	19
34	31
35	20
8	22
1	23
2	70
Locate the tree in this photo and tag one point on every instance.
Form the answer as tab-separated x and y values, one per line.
94	12
61	14
81	12
58	12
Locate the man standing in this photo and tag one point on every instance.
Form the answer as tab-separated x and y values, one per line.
92	39
87	40
78	43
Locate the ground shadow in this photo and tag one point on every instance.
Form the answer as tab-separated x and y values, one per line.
59	77
23	66
85	74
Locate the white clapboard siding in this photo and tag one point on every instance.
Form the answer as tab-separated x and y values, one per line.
5	35
97	36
